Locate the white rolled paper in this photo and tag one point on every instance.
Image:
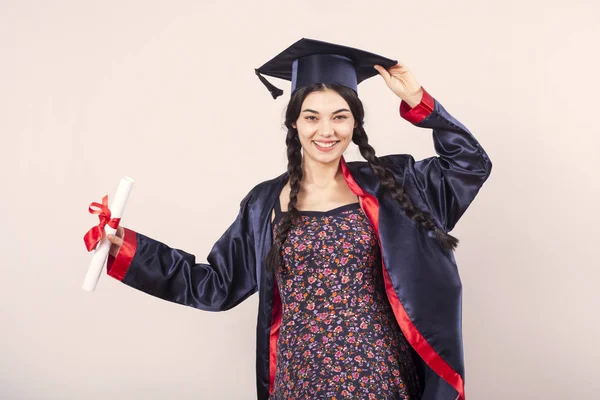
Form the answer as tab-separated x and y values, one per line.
101	252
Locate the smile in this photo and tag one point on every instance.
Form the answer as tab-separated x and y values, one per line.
325	146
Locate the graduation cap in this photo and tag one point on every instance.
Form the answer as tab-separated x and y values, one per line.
311	61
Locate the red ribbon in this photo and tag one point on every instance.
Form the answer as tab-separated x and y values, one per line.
94	235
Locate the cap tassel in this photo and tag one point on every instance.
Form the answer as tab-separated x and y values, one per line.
275	92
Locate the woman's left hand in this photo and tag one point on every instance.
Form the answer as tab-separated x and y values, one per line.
402	82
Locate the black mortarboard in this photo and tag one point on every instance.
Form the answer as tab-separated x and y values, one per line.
311	61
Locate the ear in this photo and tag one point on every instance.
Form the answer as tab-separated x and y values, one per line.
294	125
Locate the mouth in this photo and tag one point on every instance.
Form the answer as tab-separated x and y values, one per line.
325	146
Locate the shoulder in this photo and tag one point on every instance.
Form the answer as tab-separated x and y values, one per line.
401	167
263	190
396	162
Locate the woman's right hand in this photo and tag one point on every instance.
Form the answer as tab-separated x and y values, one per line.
116	241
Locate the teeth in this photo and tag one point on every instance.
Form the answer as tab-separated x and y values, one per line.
325	144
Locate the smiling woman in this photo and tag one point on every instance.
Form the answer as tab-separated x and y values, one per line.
322	120
356	298
324	126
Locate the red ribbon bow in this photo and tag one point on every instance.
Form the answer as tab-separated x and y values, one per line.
94	235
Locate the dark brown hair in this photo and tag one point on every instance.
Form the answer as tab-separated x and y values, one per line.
359	136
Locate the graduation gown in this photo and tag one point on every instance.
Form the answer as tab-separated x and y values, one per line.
421	278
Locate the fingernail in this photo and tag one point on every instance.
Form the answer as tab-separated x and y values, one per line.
111	236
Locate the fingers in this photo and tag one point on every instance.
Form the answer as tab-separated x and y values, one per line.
384	74
115	240
120	231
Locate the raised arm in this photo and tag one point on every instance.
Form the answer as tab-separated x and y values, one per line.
226	280
448	182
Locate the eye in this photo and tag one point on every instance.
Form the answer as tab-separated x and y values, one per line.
312	118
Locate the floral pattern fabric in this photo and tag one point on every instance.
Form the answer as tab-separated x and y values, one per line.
339	338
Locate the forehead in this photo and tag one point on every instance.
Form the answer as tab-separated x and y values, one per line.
327	100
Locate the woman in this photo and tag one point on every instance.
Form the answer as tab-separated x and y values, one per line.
359	294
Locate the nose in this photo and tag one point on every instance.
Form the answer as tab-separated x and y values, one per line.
326	128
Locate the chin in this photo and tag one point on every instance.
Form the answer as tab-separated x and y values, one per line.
326	158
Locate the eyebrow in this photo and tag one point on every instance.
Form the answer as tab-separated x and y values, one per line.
316	112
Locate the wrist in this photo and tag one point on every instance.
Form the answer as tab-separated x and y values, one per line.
414	99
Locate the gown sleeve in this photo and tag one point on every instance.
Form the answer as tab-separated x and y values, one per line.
448	182
171	274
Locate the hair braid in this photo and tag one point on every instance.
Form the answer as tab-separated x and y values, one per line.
396	190
294	156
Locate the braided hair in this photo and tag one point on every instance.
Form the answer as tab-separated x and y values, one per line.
360	138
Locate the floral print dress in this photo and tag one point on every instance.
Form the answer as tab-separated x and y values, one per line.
339	338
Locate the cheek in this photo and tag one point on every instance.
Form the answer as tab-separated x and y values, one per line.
303	125
347	128
305	130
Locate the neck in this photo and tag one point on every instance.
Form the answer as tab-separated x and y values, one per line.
320	175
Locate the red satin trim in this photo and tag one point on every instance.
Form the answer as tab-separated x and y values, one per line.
94	235
275	325
117	267
419	112
370	206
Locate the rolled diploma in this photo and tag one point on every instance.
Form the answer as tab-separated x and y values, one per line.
100	255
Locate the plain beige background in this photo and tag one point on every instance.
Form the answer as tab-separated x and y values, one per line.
165	92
